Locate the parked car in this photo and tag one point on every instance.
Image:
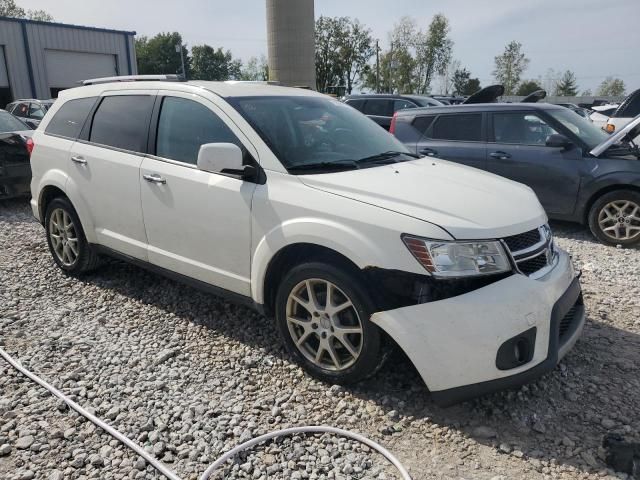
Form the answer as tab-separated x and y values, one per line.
601	114
320	219
449	99
583	112
15	171
31	111
627	111
544	146
380	107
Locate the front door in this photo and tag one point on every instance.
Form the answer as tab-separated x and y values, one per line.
517	150
106	169
198	223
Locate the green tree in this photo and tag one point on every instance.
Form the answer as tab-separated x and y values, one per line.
463	84
256	69
610	86
208	63
509	66
433	52
527	87
343	48
587	93
567	86
8	8
158	55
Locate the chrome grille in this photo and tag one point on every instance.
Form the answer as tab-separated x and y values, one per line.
532	251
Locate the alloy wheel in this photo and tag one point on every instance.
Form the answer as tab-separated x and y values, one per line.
64	238
620	220
324	324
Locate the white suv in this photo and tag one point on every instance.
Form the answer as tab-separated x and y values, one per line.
302	207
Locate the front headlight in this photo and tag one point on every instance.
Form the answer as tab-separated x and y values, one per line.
458	259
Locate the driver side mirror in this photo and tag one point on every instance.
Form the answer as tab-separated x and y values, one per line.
225	158
556	140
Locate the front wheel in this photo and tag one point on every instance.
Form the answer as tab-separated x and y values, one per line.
323	316
614	218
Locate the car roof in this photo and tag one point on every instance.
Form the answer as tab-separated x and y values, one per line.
222	89
479	107
365	96
51	100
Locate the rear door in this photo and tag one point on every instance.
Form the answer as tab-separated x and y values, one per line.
454	136
380	110
105	168
517	150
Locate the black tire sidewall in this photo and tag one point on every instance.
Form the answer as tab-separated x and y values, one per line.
594	212
371	354
83	247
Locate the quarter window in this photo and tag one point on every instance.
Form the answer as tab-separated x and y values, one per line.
70	117
523	128
184	126
122	122
422	124
358	104
463	128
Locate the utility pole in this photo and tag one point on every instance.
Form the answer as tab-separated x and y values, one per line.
179	49
377	67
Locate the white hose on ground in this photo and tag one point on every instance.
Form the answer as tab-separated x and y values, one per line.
166	471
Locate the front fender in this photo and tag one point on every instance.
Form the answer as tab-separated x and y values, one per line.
317	231
618	179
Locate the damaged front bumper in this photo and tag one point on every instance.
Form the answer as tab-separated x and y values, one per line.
499	336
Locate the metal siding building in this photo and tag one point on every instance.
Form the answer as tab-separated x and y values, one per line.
291	42
38	59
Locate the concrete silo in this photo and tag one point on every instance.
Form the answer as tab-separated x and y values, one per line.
291	39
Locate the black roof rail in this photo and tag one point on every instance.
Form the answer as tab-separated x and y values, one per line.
135	78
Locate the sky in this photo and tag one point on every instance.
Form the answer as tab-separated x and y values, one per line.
593	38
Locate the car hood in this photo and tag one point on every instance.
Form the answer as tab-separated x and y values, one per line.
467	202
630	131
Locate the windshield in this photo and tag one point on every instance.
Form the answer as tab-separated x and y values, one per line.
590	134
9	123
315	131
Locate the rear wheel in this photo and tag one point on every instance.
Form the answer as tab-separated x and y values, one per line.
66	240
323	317
614	218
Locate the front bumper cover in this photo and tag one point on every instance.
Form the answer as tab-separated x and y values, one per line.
453	343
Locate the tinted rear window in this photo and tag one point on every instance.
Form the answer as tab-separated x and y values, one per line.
422	124
467	127
357	104
123	122
69	119
379	107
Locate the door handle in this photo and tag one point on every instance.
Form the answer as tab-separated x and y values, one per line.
79	160
154	178
429	152
500	155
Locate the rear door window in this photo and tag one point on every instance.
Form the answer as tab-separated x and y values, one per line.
123	122
36	111
402	105
70	117
463	127
21	110
378	107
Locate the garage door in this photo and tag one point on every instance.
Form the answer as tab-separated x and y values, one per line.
4	77
66	69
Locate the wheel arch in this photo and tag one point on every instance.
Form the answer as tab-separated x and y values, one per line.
292	255
593	198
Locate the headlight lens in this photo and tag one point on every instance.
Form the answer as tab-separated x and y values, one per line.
458	259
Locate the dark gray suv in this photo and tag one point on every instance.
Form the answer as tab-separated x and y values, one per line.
578	171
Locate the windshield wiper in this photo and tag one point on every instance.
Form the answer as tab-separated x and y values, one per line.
380	157
324	166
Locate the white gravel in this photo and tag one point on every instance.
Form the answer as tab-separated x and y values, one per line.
190	376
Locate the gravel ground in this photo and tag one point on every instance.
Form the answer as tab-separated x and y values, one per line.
190	376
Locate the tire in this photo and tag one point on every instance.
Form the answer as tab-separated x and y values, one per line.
65	237
614	214
352	356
